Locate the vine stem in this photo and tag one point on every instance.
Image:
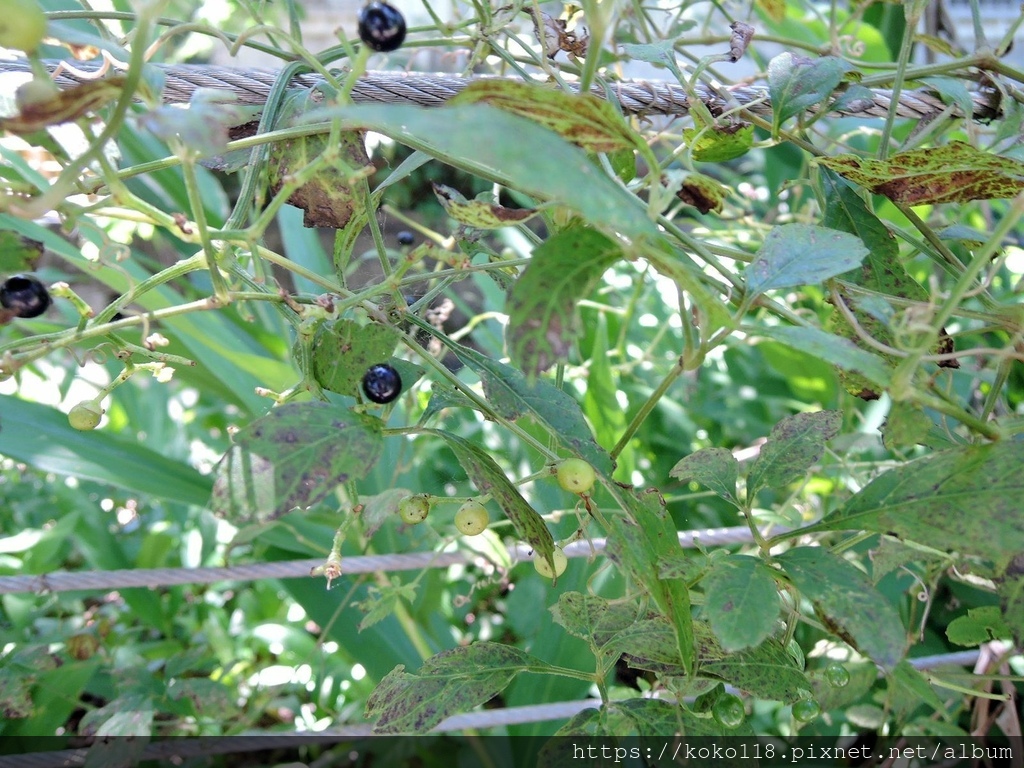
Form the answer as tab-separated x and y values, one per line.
647	407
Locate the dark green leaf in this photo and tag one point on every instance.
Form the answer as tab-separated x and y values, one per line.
513	396
802	254
940	499
543	311
343	350
18	253
741	601
793	446
1010	586
488	478
714	468
453	681
846	599
294	457
592	618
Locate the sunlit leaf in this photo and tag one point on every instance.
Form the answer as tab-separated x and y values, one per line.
294	457
741	601
478	213
343	350
714	468
953	173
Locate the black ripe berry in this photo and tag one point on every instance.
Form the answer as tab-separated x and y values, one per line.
381	383
381	26
405	238
24	295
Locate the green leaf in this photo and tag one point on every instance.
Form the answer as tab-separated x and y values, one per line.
512	396
599	401
343	350
18	253
592	618
543	310
953	173
294	457
42	438
939	500
841	352
741	601
802	254
585	120
636	544
480	214
488	478
718	144
796	84
847	601
714	468
1010	586
980	625
517	152
906	425
453	681
908	689
794	445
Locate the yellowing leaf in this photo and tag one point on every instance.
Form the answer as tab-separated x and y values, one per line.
954	173
479	213
585	120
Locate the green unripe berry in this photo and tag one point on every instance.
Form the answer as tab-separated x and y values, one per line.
544	567
806	710
575	476
837	675
729	711
22	24
414	509
472	518
85	416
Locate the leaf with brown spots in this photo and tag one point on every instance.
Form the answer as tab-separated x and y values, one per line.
741	601
965	500
479	213
954	173
453	681
294	457
543	306
585	120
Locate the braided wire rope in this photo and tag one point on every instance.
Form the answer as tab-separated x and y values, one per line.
78	581
252	87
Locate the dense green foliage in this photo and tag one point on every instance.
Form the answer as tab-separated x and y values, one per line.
804	320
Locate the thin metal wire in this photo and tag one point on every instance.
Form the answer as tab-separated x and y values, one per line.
80	581
252	86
